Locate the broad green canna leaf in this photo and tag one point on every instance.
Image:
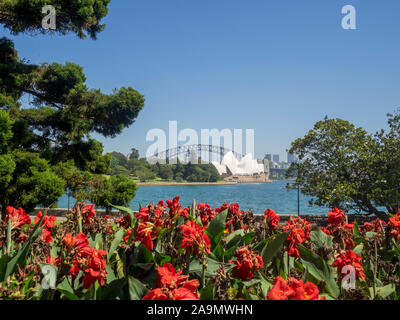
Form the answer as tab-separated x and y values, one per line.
115	243
216	228
273	246
319	269
137	290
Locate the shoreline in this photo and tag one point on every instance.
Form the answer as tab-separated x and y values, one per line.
144	184
220	183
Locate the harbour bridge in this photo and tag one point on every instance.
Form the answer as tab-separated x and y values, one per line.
193	152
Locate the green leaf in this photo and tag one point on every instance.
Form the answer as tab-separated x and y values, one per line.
259	246
251	282
265	284
319	269
66	289
273	246
356	230
114	288
9	237
3	265
358	249
248	238
288	263
129	211
228	254
163	258
370	234
319	238
143	255
110	273
114	244
137	291
207	293
97	242
216	228
196	267
234	238
385	291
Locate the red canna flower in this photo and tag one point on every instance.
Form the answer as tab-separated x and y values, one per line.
88	212
48	223
271	218
246	263
293	289
86	259
171	285
233	218
206	213
349	258
156	294
194	240
373	226
222	208
175	209
326	231
300	233
394	225
52	261
124	222
78	242
147	233
348	226
143	214
93	266
168	277
127	235
336	217
18	217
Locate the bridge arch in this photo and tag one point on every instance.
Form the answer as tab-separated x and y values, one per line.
193	151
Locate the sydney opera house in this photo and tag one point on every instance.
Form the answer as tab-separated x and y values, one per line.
245	170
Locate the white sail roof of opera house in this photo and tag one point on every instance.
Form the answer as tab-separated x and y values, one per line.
246	166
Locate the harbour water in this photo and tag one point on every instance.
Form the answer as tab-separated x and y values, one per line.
257	197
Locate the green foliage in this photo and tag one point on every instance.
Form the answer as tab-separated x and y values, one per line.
75	178
118	159
344	166
166	172
134	154
26	179
33	182
319	269
272	247
5	131
80	17
54	127
106	190
216	228
141	169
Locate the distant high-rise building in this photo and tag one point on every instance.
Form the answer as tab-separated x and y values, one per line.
268	156
275	157
291	158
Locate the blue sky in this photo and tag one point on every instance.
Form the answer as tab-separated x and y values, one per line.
273	66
